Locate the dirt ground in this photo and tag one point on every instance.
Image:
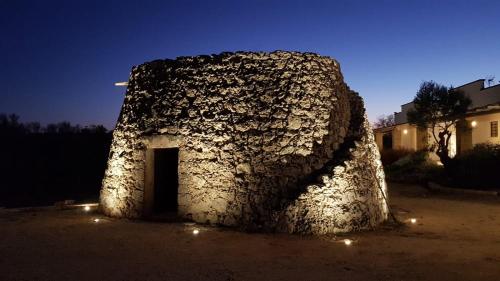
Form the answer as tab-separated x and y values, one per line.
455	238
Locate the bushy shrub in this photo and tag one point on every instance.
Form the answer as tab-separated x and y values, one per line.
389	156
40	169
414	168
476	168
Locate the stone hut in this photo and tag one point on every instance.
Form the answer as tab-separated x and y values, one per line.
261	141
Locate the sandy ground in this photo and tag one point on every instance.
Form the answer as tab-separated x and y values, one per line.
455	238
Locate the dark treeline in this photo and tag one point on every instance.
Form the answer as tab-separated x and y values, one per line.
40	165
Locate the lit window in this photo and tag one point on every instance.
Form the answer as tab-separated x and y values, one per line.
494	129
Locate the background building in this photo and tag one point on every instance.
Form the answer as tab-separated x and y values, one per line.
481	123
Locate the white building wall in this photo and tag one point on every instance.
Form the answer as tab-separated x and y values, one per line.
479	95
405	137
481	132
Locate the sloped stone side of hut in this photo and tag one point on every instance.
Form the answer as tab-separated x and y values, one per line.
350	193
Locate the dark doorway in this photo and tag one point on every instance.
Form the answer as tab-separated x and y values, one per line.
166	180
387	140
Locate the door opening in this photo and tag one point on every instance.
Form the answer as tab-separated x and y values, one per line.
387	140
165	180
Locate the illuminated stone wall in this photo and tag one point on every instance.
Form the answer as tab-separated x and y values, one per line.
267	141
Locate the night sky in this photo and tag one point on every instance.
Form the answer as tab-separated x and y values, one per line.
59	59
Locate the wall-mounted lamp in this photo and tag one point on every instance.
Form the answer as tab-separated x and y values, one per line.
473	123
405	131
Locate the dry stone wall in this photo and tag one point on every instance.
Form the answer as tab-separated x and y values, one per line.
255	132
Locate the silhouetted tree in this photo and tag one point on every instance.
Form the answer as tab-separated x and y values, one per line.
94	129
65	128
9	125
33	127
41	165
51	129
14	120
384	121
100	129
439	109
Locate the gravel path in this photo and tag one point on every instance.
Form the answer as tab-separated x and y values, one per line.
455	238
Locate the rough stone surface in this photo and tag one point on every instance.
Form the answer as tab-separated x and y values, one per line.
267	141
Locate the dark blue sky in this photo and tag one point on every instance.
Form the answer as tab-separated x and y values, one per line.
59	59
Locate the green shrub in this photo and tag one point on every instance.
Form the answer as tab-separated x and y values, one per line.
476	168
389	156
414	168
